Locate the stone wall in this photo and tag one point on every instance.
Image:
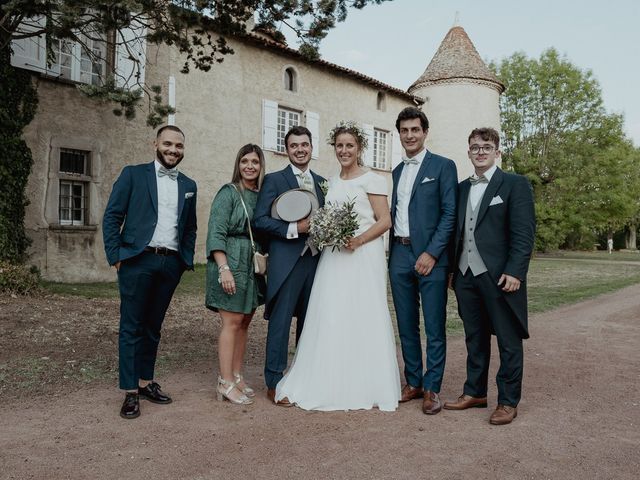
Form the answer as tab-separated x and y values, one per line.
219	111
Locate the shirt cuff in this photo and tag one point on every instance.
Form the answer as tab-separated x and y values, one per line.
292	231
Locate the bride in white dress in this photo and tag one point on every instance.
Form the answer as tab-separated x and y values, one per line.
346	356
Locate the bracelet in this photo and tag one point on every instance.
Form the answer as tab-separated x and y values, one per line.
224	267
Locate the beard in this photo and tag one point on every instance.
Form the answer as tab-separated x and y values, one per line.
164	163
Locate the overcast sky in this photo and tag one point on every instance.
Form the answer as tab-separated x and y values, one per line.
395	41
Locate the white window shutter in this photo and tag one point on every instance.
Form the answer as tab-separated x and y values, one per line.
31	52
269	125
368	153
396	150
131	48
313	124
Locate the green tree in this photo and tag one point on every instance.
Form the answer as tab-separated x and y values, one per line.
558	133
197	28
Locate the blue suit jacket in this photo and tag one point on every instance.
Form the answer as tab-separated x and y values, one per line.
132	213
283	252
432	207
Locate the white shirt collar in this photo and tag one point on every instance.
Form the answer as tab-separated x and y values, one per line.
489	173
418	156
297	171
157	166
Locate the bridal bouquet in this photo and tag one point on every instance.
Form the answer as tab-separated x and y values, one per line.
333	225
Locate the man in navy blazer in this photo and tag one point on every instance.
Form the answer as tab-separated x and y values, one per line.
493	245
292	265
149	230
423	210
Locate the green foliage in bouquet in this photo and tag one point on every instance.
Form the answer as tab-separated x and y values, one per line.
333	225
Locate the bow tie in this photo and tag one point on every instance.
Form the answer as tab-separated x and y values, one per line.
172	174
480	179
410	161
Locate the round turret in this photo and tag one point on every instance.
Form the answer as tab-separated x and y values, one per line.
460	94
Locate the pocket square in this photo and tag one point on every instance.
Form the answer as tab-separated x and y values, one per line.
188	195
427	180
496	200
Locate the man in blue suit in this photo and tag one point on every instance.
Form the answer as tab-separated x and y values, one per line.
423	212
291	264
149	230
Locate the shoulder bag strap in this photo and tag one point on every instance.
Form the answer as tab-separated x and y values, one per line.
253	245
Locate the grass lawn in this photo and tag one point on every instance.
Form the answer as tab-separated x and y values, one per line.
554	279
53	343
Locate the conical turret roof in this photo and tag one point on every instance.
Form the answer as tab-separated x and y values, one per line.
457	58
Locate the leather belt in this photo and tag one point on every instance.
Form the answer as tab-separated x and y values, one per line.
402	240
161	251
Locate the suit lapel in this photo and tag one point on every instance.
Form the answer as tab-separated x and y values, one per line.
421	172
465	187
152	183
182	187
489	193
317	189
288	174
397	172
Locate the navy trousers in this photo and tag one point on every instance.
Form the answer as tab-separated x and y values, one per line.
291	301
484	311
146	284
409	289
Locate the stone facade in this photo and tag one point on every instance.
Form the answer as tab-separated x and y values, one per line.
235	103
460	94
219	111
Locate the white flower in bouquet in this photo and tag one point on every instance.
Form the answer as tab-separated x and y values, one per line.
333	225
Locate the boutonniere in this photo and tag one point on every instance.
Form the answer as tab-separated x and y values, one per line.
324	186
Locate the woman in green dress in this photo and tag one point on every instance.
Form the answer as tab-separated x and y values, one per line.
232	288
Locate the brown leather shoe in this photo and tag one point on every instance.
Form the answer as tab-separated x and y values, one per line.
466	401
503	414
431	403
410	393
271	395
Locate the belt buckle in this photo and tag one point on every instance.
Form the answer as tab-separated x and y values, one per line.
404	240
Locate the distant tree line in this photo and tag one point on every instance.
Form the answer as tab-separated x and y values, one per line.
585	172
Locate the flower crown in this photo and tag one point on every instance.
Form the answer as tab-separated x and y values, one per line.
351	127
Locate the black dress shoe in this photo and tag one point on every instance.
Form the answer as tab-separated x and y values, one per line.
153	393
131	406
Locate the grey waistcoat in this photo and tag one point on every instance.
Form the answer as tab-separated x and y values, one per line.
470	257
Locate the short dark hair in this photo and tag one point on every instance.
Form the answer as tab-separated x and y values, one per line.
173	128
487	134
410	113
298	130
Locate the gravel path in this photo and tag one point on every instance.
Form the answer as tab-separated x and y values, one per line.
579	418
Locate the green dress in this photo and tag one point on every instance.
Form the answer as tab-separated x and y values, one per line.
229	233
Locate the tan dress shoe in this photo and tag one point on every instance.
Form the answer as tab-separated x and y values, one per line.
503	414
466	401
431	403
410	393
284	402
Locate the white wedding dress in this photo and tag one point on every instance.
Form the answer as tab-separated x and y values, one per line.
346	356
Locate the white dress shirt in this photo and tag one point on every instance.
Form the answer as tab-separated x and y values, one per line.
292	231
166	232
477	191
403	194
